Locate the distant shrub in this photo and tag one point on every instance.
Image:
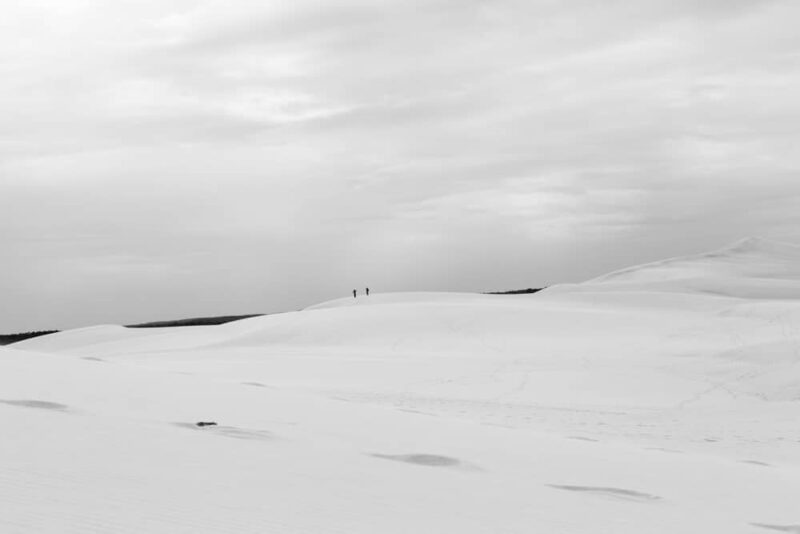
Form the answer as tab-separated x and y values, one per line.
8	339
195	321
516	291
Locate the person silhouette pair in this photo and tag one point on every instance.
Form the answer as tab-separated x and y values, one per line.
355	292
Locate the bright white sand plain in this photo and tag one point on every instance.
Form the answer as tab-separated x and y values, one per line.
664	398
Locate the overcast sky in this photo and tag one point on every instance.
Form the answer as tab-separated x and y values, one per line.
169	159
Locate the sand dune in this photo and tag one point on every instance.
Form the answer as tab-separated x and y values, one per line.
750	268
660	398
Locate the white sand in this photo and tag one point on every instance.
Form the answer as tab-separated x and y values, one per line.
662	398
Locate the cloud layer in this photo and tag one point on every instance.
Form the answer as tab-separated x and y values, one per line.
230	157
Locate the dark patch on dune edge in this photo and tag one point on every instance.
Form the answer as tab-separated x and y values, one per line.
195	321
32	403
430	460
619	493
8	339
526	291
792	529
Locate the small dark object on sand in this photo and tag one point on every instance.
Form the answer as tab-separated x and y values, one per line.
206	423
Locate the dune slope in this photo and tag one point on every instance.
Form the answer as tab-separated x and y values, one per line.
661	398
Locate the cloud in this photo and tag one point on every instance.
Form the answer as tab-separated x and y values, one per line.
179	155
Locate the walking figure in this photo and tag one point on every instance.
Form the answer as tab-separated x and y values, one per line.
367	291
354	293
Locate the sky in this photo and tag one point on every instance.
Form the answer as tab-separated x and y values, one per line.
161	160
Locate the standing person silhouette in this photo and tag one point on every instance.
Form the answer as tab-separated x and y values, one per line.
354	293
367	291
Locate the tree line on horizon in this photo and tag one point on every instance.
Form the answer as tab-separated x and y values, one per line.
7	339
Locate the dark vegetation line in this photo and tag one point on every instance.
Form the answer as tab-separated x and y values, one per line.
205	321
516	291
13	338
195	321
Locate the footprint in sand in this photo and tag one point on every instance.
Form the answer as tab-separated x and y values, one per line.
582	438
792	529
663	449
430	460
42	405
409	410
230	431
255	384
756	462
617	493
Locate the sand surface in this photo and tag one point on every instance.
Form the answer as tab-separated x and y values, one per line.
663	398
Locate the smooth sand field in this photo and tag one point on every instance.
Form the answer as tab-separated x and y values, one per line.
664	398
